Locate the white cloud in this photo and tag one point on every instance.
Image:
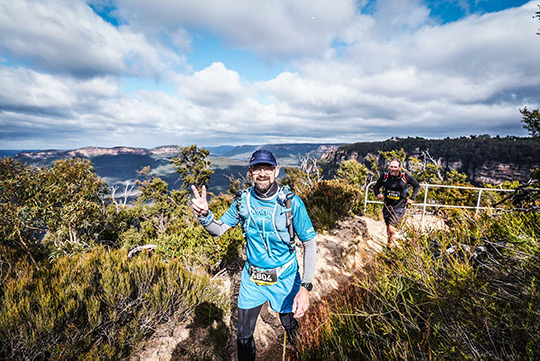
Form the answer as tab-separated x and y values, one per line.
274	29
398	75
478	46
24	88
382	78
393	16
215	86
68	37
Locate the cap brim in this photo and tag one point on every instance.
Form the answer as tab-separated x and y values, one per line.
262	161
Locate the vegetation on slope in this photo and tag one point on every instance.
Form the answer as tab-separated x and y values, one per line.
468	294
96	305
69	290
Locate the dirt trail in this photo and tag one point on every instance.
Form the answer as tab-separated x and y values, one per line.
341	252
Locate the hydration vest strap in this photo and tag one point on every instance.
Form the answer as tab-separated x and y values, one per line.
285	199
239	196
401	174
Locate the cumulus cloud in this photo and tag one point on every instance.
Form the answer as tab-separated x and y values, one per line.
350	75
29	91
405	83
273	29
68	37
215	86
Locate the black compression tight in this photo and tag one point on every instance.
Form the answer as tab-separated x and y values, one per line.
247	319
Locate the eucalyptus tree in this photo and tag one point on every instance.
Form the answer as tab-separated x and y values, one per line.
531	121
193	166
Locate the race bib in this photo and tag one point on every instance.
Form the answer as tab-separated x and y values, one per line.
393	195
263	277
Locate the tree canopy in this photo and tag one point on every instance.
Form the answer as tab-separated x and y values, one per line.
531	121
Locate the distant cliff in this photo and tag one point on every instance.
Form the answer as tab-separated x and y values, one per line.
119	165
280	150
242	151
484	159
91	152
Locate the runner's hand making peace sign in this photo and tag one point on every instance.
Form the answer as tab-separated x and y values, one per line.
199	202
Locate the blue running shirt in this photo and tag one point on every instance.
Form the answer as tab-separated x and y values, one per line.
264	247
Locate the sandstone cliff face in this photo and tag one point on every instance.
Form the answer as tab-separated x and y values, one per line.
489	171
167	149
327	148
496	173
339	155
90	152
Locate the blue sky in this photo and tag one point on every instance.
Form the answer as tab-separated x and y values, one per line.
144	74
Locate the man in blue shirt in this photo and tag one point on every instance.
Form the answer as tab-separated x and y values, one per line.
271	272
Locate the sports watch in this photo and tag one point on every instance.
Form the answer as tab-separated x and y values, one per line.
308	286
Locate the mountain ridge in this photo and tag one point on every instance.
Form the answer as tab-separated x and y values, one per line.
482	158
223	150
119	165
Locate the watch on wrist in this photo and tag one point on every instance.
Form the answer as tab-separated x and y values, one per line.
308	286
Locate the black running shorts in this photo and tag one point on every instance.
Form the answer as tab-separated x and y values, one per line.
393	216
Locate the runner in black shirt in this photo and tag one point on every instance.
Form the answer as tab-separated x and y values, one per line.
395	184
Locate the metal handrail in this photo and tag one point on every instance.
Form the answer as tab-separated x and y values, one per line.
425	204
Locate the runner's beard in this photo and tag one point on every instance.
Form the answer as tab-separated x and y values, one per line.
263	186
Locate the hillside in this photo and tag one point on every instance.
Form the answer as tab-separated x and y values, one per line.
342	253
482	158
119	165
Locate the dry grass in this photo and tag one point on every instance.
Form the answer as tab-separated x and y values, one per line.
468	293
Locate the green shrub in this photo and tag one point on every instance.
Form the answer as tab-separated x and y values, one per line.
353	172
194	245
20	222
95	305
469	294
131	238
329	201
66	201
119	219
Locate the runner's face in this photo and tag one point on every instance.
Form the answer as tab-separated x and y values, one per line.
394	168
263	175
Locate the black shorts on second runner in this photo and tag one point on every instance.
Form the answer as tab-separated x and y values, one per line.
392	216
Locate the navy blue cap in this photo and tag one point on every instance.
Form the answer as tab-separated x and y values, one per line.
262	156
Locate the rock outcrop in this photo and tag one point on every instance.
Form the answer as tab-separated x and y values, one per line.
498	172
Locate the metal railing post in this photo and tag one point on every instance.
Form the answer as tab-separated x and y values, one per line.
365	196
478	202
425	206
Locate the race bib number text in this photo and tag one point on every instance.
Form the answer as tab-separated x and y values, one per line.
263	277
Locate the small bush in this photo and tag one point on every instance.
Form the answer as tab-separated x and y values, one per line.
194	245
95	305
329	201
